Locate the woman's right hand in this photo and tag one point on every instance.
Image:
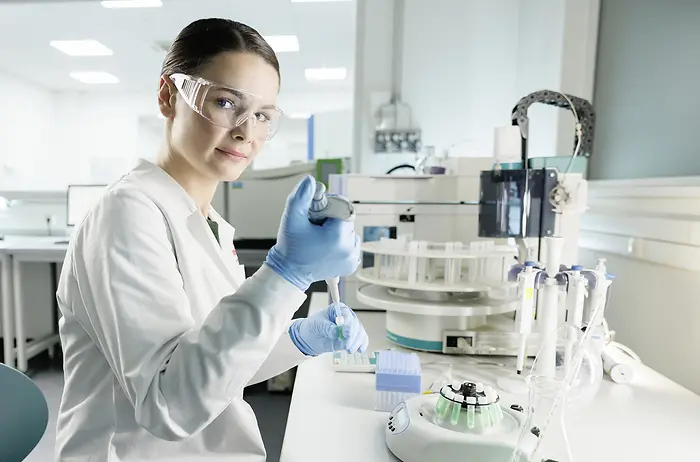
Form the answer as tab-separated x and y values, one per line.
306	253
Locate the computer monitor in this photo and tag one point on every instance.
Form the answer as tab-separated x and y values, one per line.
81	198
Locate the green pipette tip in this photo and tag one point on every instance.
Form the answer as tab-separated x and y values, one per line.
340	321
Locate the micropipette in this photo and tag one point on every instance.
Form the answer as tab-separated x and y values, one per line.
323	207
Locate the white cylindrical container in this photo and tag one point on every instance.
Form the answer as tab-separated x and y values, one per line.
413	262
554	246
619	370
507	144
548	323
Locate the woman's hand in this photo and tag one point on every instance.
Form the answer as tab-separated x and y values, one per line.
304	252
319	333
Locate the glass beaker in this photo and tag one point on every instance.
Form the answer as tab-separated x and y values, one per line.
576	379
544	434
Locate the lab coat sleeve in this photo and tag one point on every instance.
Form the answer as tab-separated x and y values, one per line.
178	377
284	356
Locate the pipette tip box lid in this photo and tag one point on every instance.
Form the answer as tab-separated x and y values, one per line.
398	371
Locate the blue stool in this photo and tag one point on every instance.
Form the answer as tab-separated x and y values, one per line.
24	415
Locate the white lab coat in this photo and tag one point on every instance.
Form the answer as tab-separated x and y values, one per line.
157	350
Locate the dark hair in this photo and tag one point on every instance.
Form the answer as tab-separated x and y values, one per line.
203	39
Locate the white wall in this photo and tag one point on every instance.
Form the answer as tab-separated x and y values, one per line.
459	68
466	63
647	229
100	136
49	140
27	141
556	43
646	94
333	134
459	74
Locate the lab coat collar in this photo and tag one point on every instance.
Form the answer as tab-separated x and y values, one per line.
163	188
171	196
224	225
228	252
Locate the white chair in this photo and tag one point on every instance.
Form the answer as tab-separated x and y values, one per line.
24	415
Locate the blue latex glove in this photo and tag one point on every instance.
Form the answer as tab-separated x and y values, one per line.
306	253
318	333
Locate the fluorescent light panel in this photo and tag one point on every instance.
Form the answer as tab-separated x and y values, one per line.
317	1
326	73
132	3
94	77
81	47
299	115
283	43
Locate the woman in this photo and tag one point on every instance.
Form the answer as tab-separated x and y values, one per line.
157	350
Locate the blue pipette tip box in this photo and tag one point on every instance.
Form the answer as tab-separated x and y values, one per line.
397	378
398	371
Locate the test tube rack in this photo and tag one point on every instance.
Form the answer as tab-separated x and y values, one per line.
443	297
452	267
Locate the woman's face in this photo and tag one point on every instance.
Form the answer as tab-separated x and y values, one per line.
216	152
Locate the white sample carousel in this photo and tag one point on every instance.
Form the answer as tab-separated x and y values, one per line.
448	297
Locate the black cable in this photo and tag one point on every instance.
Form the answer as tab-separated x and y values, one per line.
398	167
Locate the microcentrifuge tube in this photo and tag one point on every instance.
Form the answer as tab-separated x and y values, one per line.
456	410
440	405
486	416
446	410
481	418
493	415
471	401
495	408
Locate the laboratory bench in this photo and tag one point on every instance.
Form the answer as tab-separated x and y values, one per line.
332	413
15	251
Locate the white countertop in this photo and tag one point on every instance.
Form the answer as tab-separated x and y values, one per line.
332	418
35	248
34	242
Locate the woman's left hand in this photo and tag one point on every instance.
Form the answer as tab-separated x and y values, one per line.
319	333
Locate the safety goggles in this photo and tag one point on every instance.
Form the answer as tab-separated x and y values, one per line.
229	107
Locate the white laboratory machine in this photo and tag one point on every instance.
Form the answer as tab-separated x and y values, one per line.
254	203
543	290
438	249
437	261
458	423
439	208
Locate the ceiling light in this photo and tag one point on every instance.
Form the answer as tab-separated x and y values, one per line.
81	47
310	1
93	77
326	73
283	43
132	3
299	115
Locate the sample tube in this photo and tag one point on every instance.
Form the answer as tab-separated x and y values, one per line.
471	404
457	409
